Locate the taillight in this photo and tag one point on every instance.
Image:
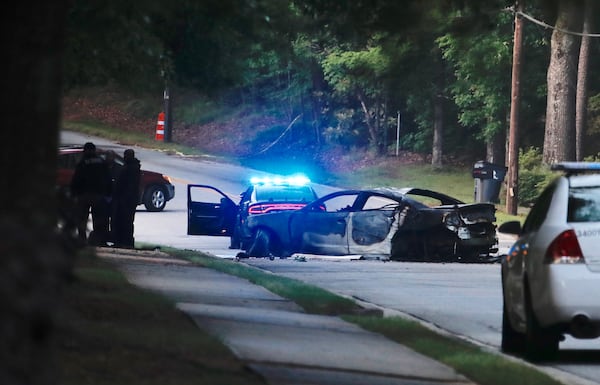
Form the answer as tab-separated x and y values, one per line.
256	210
564	249
265	208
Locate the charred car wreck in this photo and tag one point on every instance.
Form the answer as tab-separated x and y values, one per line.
406	224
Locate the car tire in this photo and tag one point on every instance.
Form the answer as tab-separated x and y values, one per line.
406	246
155	198
541	344
513	342
264	245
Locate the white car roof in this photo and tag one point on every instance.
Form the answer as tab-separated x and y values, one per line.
585	180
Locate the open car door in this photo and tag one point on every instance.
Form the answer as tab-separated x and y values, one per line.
209	211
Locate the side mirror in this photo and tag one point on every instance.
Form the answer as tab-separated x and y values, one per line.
510	227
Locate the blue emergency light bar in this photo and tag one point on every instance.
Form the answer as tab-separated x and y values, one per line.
293	180
576	167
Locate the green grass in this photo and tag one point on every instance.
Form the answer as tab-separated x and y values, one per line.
451	181
111	332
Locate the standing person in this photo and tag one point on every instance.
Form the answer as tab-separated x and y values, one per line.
91	188
125	200
114	168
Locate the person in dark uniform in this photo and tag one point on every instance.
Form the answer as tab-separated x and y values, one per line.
114	168
125	200
91	187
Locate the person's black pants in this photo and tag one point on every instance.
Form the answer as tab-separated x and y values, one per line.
122	224
98	206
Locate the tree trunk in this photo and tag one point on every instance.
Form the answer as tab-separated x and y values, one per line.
439	85
318	86
496	148
582	76
512	144
559	137
369	122
32	266
438	132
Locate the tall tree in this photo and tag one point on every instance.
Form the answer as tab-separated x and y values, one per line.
32	265
481	62
559	137
359	74
582	80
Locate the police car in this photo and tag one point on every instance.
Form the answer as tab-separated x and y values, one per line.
551	275
213	212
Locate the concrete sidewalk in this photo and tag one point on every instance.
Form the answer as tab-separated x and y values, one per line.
273	335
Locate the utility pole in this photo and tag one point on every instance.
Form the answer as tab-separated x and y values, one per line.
512	190
165	65
398	135
168	119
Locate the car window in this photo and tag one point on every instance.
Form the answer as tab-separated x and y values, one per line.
68	160
584	204
284	194
340	203
538	212
376	202
206	195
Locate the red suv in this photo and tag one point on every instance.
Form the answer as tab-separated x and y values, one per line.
156	189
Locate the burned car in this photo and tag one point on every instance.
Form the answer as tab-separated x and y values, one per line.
379	223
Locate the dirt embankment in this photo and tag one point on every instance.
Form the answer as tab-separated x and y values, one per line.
235	137
231	137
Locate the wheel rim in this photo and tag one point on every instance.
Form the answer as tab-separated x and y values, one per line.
158	199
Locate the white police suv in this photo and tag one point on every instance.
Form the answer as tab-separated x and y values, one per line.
551	275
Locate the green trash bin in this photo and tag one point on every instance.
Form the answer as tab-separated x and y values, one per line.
488	181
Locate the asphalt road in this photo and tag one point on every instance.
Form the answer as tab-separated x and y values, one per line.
463	299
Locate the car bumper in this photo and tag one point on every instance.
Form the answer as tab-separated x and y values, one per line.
170	191
483	242
564	292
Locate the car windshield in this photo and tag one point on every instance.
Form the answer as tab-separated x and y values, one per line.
584	204
284	193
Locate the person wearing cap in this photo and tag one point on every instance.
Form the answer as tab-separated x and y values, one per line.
125	200
91	187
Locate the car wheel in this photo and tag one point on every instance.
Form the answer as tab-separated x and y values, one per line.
406	247
155	198
512	341
264	245
541	343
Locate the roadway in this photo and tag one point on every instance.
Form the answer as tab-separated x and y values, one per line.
462	299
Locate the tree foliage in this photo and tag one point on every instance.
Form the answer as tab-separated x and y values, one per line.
347	69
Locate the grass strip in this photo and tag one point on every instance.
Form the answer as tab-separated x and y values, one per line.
482	367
